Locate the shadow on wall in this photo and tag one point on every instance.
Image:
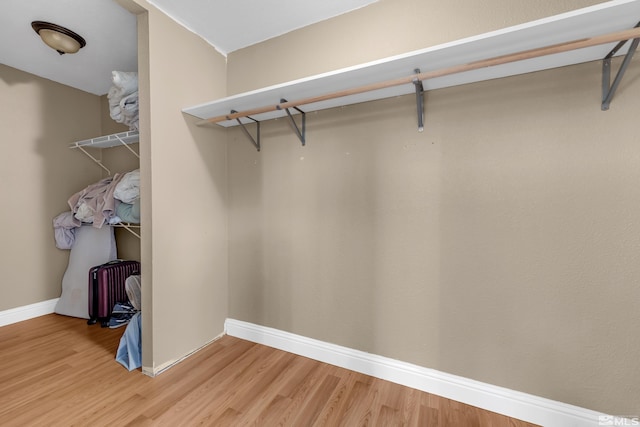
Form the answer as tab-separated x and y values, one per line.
210	142
244	201
39	173
212	150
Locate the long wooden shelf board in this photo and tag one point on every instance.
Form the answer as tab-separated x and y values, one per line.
604	18
107	141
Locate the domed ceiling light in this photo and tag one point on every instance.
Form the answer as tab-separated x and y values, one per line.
59	38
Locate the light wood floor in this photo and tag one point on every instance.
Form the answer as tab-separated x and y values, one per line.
57	371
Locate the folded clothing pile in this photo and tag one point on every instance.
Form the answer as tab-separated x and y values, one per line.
112	200
102	202
127	196
123	98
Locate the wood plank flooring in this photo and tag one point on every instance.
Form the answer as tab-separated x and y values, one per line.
57	371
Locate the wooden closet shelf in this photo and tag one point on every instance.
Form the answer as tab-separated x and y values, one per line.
574	37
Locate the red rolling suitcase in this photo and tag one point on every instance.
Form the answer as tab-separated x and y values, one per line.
106	287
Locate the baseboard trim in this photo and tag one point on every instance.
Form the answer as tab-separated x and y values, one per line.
155	371
523	406
18	314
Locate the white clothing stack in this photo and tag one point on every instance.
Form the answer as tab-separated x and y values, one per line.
123	98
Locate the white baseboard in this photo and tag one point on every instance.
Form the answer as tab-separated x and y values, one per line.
504	401
18	314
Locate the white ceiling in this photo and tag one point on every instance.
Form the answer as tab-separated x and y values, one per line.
233	24
110	31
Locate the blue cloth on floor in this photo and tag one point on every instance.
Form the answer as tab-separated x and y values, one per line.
129	352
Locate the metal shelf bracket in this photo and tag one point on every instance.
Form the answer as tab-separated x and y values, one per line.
124	143
129	227
255	141
608	88
301	134
97	161
419	100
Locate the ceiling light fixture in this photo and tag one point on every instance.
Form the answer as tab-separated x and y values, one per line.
59	38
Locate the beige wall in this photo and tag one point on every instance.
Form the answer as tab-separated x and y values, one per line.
38	173
500	244
41	173
184	193
184	186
